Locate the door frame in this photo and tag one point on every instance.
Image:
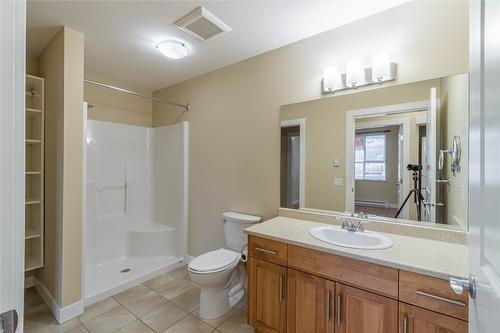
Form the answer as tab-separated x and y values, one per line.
301	122
12	150
405	185
350	136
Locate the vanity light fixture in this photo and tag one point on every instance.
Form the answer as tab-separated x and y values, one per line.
173	49
382	70
355	75
332	80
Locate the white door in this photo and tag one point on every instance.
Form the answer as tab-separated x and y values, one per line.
12	95
484	175
293	170
401	170
428	174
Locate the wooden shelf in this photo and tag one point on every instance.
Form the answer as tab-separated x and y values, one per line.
30	233
31	263
33	201
34	180
33	110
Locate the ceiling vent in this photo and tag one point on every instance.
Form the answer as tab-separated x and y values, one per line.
202	24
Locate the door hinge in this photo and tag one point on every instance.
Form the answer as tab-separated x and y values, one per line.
8	321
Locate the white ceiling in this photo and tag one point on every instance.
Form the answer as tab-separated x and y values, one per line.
120	35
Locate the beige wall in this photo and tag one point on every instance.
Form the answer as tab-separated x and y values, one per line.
235	133
384	191
118	107
31	66
61	64
455	120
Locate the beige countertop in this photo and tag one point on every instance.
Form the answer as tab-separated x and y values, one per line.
425	256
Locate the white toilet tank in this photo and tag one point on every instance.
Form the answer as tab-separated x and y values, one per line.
234	224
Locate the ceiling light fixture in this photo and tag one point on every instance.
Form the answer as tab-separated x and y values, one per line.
173	49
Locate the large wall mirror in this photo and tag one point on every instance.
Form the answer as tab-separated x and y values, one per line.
397	153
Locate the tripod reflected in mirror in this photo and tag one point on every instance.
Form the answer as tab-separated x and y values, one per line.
418	199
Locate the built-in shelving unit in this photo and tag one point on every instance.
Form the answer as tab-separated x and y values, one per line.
34	216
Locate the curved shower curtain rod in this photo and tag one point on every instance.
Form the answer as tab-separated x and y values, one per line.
157	99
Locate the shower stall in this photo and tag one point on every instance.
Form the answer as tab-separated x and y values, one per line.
136	204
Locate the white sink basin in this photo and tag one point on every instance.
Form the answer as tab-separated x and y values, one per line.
356	240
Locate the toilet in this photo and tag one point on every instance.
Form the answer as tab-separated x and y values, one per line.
221	273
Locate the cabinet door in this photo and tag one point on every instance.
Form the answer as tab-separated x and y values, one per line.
359	311
413	319
310	303
267	296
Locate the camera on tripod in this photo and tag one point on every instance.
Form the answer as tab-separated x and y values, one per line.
414	167
418	199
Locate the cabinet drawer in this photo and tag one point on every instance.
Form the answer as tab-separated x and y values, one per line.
433	294
414	319
267	250
379	279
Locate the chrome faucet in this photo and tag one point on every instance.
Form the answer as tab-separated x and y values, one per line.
353	226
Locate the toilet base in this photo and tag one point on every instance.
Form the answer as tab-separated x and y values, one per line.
214	302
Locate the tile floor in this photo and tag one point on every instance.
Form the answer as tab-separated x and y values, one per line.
165	304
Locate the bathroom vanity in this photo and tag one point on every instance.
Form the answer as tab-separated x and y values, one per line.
297	283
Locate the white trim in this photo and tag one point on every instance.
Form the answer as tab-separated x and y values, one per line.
84	198
185	183
350	134
421	120
301	122
12	155
61	314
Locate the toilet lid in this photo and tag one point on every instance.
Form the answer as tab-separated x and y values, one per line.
213	260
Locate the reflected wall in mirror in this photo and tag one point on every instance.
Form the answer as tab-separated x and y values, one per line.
395	153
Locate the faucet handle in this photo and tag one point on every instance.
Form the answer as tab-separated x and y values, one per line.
360	227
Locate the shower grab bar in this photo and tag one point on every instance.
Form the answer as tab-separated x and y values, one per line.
103	187
124	186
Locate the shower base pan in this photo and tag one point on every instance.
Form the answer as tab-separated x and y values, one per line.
109	278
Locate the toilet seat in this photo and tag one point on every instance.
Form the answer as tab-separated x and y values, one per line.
213	261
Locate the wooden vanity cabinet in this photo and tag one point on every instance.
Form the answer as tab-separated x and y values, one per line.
359	311
298	290
413	319
310	303
267	296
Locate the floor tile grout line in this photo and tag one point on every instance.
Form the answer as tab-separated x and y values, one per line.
175	323
127	323
139	317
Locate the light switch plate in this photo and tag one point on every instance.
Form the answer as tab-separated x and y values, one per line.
338	181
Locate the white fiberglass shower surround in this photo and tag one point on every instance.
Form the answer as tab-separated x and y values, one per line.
136	204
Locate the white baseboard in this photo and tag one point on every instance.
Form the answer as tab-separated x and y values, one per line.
61	314
29	282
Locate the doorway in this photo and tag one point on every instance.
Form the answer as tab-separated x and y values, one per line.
378	163
292	164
